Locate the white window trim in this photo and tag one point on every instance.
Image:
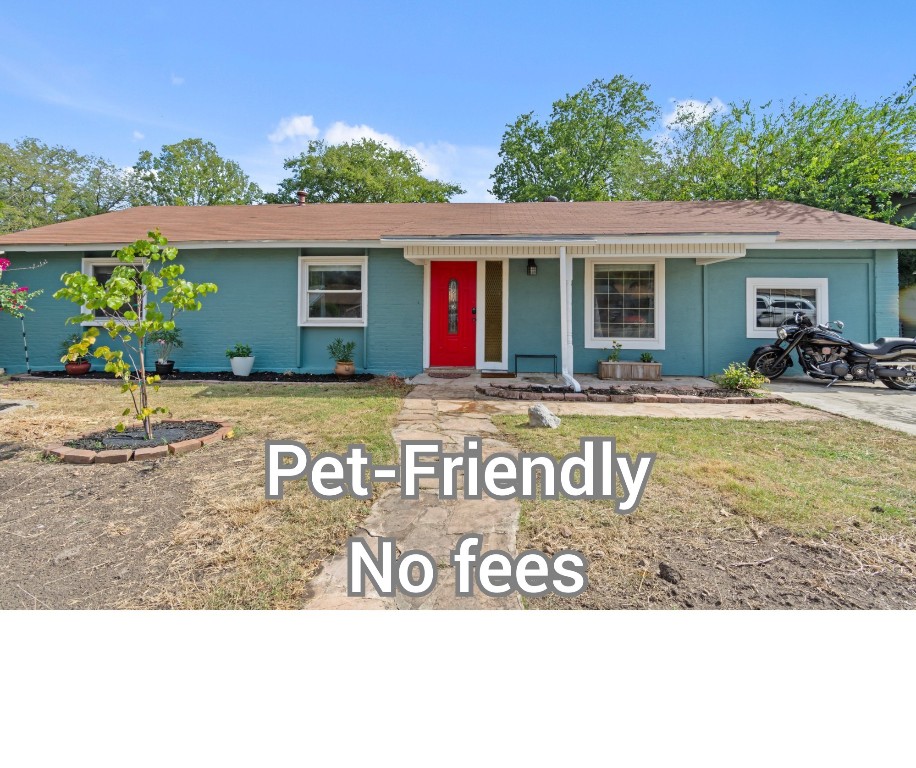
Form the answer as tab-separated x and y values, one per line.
89	262
593	342
357	260
753	283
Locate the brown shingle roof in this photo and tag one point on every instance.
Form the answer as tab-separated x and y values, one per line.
338	222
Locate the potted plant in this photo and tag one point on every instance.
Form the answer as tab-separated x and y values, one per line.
77	364
342	353
165	341
241	359
646	369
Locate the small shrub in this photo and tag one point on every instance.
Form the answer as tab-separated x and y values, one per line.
614	356
70	341
340	351
239	350
646	357
739	376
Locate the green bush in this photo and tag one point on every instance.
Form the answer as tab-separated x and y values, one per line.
239	350
341	352
646	357
739	376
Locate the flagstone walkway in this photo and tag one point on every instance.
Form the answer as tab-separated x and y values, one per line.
449	412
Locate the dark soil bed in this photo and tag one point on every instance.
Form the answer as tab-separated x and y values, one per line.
631	390
222	376
171	432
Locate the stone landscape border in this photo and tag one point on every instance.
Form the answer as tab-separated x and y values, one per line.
594	397
121	456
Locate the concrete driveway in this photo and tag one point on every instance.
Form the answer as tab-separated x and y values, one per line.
857	400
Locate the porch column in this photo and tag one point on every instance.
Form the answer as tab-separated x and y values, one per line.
566	335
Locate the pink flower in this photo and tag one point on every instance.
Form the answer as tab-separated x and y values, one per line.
21	289
4	264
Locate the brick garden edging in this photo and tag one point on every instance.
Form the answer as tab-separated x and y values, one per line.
593	397
81	456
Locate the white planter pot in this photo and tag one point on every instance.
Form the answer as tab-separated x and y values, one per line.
241	366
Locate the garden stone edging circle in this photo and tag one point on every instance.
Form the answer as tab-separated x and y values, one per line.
117	450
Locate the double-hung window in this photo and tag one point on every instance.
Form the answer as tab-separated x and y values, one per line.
625	302
102	268
772	301
332	290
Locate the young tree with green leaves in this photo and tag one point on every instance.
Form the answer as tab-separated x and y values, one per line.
592	146
133	309
191	172
364	171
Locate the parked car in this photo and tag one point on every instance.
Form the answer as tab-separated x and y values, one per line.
773	311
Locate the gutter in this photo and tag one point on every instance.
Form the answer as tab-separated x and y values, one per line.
566	338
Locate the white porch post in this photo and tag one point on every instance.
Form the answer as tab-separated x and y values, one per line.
566	335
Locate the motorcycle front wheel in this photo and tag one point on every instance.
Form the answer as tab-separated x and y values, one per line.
907	383
766	363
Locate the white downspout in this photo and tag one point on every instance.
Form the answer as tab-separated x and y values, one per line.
566	336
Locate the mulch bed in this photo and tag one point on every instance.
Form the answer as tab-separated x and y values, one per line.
272	376
629	394
170	437
164	433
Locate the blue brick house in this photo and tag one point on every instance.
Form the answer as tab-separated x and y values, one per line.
419	286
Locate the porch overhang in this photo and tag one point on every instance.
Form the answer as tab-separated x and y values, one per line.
707	248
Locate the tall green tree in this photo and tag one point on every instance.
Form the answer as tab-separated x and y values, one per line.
363	171
833	153
42	184
191	172
592	146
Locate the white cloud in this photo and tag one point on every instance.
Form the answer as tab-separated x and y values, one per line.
692	107
467	165
177	80
138	136
341	133
294	127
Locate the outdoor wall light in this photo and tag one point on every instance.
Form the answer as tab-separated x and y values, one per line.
532	268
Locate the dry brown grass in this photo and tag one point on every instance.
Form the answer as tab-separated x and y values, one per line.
834	504
231	548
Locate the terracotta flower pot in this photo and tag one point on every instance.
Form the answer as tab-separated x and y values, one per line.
344	368
77	369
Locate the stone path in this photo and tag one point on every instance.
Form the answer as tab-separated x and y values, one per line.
431	412
449	412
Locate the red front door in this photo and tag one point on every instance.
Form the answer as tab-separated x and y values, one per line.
452	313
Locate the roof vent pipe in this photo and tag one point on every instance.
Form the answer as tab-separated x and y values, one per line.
551	199
300	197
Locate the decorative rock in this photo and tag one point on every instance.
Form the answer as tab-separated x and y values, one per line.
148	454
113	457
540	416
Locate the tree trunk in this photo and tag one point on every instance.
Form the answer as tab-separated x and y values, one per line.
147	421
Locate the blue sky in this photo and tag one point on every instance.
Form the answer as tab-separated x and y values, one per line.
259	80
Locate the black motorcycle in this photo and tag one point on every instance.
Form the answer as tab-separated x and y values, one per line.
824	353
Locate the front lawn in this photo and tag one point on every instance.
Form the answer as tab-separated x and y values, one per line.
747	514
187	532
